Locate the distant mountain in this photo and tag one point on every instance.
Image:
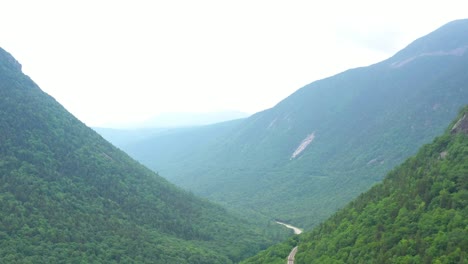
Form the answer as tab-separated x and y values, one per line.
124	137
69	196
166	123
171	120
418	214
328	142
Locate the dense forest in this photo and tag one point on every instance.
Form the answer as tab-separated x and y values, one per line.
363	122
418	214
69	196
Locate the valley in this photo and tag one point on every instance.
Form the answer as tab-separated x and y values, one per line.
367	166
322	146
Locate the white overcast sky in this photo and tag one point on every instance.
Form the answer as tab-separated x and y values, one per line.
112	63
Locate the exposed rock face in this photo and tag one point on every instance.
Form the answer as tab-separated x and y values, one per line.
443	154
303	145
461	126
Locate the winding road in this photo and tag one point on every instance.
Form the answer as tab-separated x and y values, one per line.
292	255
297	231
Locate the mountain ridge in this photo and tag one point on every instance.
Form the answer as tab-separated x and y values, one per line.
437	41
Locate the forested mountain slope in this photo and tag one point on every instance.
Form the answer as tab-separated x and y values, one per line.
418	214
329	141
69	196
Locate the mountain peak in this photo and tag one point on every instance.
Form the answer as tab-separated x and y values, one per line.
450	39
8	61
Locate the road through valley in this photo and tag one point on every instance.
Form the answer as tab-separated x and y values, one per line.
297	231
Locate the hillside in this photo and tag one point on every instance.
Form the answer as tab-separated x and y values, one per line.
418	214
328	142
69	196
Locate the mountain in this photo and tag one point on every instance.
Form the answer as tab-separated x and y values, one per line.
69	196
166	123
170	120
123	137
192	119
326	143
418	214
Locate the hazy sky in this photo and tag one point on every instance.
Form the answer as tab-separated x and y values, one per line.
116	62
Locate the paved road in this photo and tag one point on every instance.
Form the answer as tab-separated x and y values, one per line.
297	231
292	255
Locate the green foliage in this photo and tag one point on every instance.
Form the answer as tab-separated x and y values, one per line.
365	120
276	254
68	196
418	214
